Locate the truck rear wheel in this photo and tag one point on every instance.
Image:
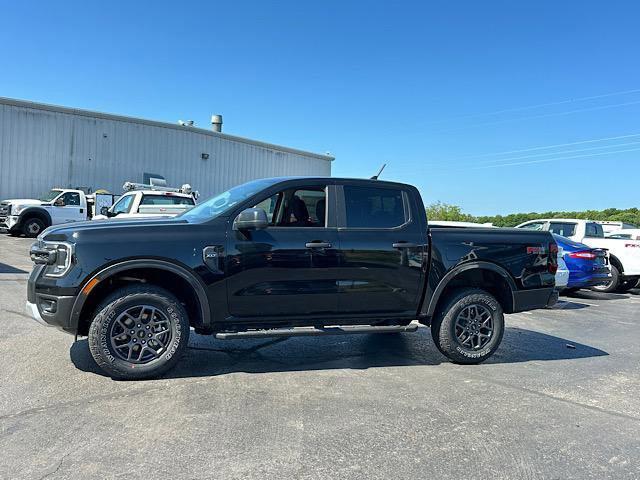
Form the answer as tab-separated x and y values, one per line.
468	328
32	227
139	332
612	285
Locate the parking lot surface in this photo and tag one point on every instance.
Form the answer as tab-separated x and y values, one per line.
560	399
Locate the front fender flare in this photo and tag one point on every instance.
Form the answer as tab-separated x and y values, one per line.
104	274
454	272
35	211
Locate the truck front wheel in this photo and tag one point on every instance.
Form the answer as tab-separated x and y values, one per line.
468	328
32	227
139	332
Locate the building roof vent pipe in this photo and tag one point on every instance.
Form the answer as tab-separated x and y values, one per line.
216	123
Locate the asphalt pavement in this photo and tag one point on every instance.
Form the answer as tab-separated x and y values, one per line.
559	400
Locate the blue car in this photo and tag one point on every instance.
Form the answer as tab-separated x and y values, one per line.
587	266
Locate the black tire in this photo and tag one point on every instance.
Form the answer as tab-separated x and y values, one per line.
626	285
612	285
446	325
32	227
162	322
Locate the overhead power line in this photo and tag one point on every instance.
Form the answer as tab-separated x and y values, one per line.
546	160
557	145
545	115
575	150
467	158
539	105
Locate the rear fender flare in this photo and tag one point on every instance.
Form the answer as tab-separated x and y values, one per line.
453	273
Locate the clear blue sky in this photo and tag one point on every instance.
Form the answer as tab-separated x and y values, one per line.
413	84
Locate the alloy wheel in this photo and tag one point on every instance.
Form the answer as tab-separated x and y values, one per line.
140	334
474	327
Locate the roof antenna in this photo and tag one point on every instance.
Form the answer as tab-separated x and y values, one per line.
375	177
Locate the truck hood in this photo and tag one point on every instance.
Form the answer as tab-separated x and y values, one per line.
23	201
71	231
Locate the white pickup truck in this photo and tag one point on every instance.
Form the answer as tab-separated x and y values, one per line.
140	201
624	254
31	217
63	205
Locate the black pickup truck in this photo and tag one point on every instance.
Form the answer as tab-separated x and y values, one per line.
285	257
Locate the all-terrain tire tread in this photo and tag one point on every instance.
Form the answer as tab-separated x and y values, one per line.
118	297
443	340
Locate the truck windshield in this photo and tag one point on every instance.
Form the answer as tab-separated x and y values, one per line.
50	195
220	204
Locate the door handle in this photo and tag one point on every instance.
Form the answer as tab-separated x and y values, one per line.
317	245
405	245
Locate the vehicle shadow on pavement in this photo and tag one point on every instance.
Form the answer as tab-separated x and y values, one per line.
207	356
590	295
5	268
569	305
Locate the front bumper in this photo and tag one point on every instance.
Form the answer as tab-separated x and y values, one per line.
32	309
10	222
47	309
534	298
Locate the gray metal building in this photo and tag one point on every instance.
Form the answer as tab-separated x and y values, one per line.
44	146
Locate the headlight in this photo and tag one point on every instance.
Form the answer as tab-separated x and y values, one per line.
57	257
17	209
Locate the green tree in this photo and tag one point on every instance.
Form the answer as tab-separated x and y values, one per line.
444	211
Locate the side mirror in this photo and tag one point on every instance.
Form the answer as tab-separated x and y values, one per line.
104	211
251	219
59	203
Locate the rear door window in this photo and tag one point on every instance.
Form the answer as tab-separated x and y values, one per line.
594	230
374	207
566	229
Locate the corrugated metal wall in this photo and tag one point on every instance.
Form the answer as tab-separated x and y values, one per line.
43	147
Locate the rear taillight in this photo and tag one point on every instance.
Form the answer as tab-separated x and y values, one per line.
583	254
553	258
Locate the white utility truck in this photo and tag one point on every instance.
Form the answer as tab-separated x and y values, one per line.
624	254
31	217
64	205
141	200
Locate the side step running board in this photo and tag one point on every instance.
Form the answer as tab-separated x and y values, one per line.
312	331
